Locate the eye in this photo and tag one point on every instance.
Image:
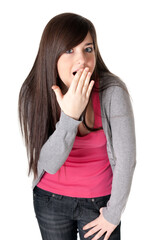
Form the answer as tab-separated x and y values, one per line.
69	51
89	49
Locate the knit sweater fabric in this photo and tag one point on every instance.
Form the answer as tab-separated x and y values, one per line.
119	128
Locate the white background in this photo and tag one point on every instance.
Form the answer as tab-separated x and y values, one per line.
129	40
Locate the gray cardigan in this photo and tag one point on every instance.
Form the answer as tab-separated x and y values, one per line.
119	128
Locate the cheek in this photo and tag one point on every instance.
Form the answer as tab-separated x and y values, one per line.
93	63
63	73
61	70
60	66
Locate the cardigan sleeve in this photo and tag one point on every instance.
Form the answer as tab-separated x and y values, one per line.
56	149
124	151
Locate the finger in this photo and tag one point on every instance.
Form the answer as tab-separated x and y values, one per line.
92	231
107	236
74	83
86	83
90	88
58	93
90	225
82	79
98	235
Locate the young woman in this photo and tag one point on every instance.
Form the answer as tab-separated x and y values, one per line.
77	120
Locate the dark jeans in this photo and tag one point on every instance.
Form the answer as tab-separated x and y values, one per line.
61	217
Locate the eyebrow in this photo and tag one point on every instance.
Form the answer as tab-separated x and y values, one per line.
89	44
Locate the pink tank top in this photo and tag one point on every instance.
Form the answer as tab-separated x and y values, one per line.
86	172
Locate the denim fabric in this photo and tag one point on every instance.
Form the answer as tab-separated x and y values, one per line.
62	217
119	128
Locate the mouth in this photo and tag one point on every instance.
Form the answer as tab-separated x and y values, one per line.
74	73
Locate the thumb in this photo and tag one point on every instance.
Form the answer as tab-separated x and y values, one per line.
58	93
101	209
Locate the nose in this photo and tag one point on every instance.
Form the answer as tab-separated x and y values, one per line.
81	59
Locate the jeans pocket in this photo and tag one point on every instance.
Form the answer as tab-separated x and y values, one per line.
100	202
40	198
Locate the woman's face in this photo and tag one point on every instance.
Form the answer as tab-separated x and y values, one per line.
81	56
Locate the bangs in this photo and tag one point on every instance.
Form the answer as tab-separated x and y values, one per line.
72	32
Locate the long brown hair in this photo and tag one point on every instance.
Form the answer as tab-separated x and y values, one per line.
38	108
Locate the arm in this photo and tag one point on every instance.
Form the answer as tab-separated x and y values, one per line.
124	149
56	149
121	120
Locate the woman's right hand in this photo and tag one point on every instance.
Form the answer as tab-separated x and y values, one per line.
76	98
